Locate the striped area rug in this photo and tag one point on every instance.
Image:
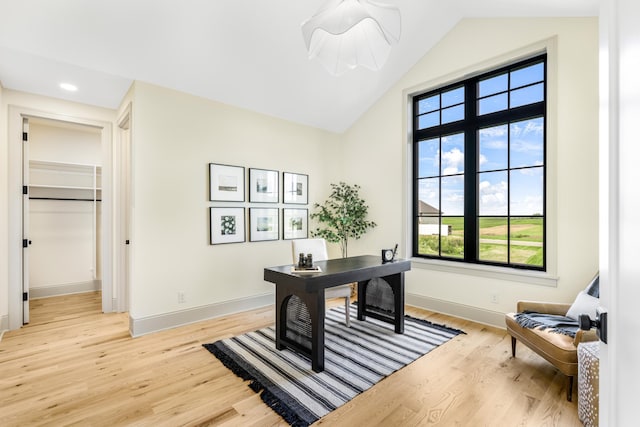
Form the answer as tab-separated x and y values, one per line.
356	358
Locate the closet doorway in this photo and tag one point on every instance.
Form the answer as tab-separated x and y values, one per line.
63	210
59	172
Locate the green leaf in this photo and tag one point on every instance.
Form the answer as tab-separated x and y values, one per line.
342	216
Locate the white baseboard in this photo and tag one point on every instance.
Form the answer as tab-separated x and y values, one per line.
150	324
475	314
4	323
147	325
65	289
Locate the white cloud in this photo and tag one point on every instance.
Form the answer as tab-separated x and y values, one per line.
452	161
493	197
528	206
494	131
528	128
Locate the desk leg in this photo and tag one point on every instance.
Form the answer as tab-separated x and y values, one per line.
362	300
316	305
396	282
281	317
397	285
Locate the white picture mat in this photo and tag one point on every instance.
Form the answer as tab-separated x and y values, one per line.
227	225
295	223
295	188
226	183
264	224
263	186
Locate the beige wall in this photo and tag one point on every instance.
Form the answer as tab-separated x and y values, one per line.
175	136
573	130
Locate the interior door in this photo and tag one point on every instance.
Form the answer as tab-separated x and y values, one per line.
25	220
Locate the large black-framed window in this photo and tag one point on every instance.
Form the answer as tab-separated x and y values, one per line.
479	168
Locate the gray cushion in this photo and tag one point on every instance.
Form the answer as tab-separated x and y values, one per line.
583	304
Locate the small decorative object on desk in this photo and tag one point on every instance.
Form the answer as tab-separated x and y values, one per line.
388	255
305	265
305	261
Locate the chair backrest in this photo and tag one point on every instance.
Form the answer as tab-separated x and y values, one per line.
316	247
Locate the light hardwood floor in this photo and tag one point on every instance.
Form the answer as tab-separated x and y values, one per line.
73	365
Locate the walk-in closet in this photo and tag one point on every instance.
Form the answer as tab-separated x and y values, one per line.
64	208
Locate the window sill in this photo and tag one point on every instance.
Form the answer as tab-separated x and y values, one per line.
500	273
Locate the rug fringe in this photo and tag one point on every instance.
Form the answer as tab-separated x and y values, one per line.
271	400
437	325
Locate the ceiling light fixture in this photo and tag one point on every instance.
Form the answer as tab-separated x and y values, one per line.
344	34
69	87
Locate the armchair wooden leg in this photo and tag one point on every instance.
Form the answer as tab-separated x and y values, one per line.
569	388
513	346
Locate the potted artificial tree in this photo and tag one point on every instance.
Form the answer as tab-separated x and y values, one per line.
342	216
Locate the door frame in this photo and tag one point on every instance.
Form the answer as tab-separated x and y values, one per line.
15	220
124	204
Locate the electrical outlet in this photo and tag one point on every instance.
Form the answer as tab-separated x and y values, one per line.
182	297
494	298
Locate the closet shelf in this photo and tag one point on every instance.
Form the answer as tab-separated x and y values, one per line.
48	175
61	165
64	187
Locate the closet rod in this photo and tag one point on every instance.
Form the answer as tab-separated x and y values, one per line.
63	199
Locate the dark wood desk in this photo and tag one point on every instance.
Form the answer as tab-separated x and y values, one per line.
310	289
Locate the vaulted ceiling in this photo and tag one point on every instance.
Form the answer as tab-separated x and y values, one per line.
246	53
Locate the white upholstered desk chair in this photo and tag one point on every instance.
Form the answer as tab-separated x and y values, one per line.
318	250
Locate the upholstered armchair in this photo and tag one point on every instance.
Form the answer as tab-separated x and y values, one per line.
557	348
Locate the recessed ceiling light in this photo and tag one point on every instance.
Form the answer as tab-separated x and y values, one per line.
69	87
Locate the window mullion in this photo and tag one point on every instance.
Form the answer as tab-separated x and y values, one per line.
470	173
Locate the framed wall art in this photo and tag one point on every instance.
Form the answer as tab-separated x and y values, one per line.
226	183
263	224
263	186
295	223
226	225
295	187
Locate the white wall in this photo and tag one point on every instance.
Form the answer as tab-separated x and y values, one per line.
63	143
573	118
174	137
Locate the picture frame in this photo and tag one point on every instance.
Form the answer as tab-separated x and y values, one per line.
226	183
295	188
226	225
264	224
295	223
263	186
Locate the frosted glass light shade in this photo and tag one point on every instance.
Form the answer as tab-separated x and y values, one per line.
344	34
